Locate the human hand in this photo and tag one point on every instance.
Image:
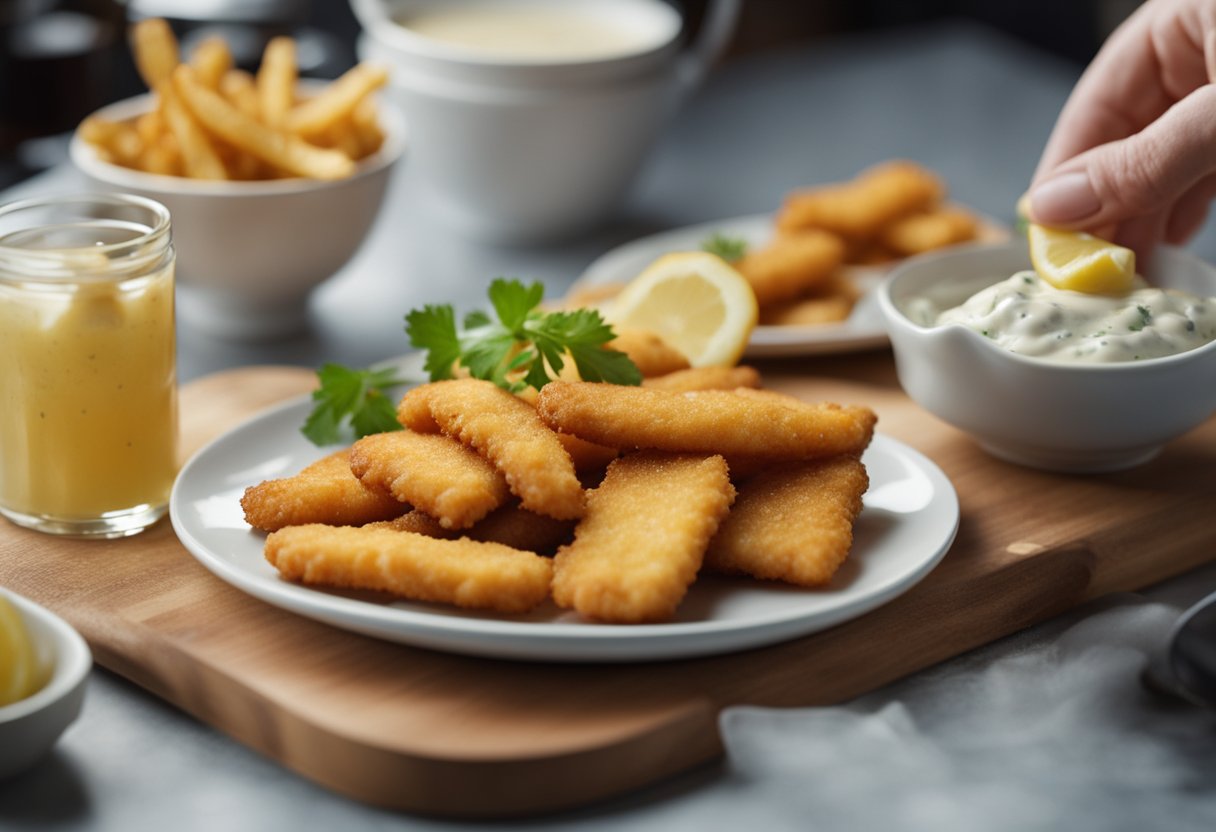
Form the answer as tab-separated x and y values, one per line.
1132	157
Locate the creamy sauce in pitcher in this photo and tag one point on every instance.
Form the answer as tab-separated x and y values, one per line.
1028	316
534	31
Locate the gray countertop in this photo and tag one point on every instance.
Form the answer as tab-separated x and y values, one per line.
962	100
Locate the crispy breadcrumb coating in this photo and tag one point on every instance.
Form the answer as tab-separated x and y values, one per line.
324	492
641	542
462	572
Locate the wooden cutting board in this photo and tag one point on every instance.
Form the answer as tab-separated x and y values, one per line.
428	732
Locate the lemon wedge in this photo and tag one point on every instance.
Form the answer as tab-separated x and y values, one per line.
696	302
19	676
1080	262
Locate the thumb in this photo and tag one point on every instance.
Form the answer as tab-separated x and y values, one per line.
1142	174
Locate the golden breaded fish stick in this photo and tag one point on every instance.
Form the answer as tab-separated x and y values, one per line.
807	311
324	492
507	431
652	355
705	378
414	410
925	232
461	572
509	525
791	265
706	421
859	209
642	540
587	456
794	524
430	471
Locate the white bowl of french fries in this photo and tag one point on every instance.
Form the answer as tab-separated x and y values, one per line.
272	183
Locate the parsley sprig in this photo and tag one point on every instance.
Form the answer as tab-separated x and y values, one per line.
729	249
524	346
351	401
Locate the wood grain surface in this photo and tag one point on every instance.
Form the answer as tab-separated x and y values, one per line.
427	732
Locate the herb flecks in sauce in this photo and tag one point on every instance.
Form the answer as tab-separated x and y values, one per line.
1027	316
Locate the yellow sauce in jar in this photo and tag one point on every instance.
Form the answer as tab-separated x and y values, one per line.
88	402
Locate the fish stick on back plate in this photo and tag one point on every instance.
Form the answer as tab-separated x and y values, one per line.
643	537
430	471
859	209
706	378
791	265
461	572
507	431
652	355
793	524
924	232
324	492
706	421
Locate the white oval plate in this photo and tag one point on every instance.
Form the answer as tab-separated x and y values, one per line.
864	329
908	523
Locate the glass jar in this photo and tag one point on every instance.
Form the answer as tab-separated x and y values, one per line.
88	386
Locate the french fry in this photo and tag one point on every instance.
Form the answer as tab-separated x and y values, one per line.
337	101
163	157
276	81
150	127
367	125
199	157
156	52
122	142
278	149
211	59
239	88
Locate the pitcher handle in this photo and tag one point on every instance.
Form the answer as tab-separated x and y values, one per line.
716	31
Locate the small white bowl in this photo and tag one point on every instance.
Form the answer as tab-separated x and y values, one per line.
1044	414
31	726
250	253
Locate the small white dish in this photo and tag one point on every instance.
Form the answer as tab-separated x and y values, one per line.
1081	418
909	521
30	727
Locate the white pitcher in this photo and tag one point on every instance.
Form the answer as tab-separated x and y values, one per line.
525	146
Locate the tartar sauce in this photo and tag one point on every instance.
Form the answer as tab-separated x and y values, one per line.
1028	316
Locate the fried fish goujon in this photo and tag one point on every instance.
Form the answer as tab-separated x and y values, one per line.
792	524
324	492
509	525
506	431
791	265
461	572
859	209
708	421
432	472
643	537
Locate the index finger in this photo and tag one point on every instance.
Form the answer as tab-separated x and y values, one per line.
1147	65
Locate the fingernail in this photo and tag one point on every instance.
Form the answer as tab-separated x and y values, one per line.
1065	198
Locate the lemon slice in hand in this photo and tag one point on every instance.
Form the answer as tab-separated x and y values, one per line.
19	676
696	302
1079	262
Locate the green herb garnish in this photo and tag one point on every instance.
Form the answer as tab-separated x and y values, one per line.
524	347
1145	317
729	249
351	401
520	349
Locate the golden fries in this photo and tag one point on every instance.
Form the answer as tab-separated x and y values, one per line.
213	121
155	50
280	150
